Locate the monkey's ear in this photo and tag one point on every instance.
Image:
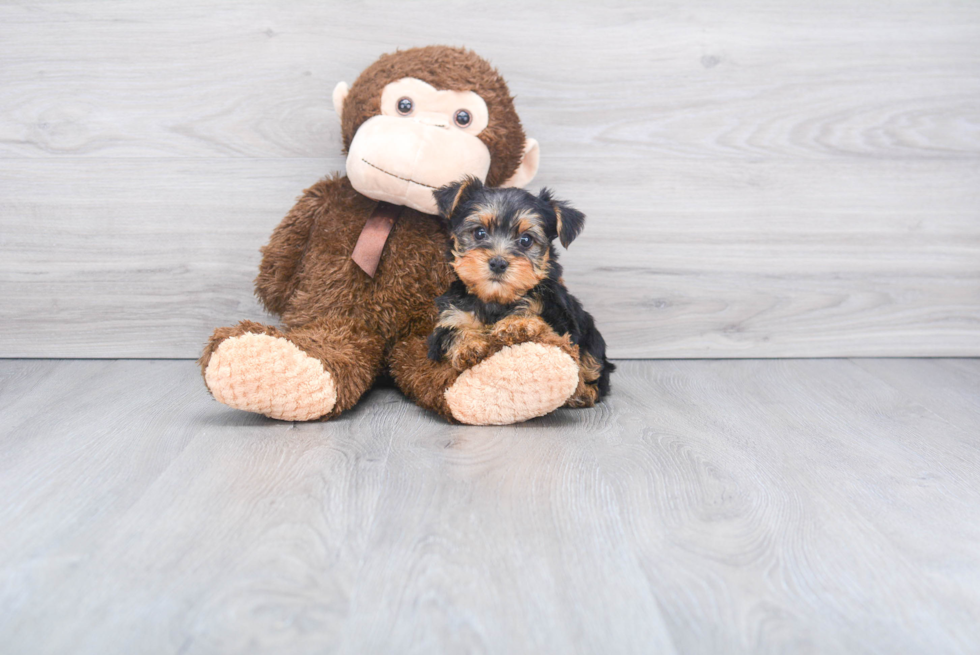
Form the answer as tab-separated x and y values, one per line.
528	167
568	220
451	196
339	96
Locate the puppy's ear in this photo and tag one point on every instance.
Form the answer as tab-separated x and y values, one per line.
568	220
450	197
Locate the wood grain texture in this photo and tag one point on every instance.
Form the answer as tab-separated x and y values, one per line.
143	257
762	179
747	79
734	506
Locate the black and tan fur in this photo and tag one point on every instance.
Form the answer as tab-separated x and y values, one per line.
508	287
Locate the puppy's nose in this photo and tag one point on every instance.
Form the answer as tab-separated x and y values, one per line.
498	265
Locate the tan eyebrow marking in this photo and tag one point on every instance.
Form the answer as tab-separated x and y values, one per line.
528	221
486	214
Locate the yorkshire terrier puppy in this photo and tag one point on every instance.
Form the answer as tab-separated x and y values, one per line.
509	287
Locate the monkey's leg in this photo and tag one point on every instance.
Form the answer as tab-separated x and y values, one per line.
312	372
423	380
517	383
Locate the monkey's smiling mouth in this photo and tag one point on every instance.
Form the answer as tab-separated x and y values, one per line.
399	177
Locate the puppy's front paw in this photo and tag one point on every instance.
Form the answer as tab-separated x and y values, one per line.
519	329
468	350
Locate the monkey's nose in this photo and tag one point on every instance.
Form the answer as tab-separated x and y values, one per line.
433	119
498	265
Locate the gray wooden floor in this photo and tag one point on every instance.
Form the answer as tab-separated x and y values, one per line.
711	506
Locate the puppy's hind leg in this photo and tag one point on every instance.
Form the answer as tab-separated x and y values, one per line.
587	392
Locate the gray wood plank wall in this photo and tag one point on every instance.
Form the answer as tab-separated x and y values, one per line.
762	179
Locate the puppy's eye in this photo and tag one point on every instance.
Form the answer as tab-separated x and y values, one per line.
405	106
462	117
525	241
480	234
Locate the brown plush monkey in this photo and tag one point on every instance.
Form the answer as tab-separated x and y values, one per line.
354	268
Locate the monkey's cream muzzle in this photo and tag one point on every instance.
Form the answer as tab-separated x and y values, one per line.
424	138
402	160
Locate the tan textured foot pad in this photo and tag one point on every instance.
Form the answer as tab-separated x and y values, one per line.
271	376
516	384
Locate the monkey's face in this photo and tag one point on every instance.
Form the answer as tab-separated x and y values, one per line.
423	139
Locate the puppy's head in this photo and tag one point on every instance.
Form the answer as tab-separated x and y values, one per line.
502	236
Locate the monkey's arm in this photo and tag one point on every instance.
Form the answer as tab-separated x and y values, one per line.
282	256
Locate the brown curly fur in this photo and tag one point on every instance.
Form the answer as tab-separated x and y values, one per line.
359	326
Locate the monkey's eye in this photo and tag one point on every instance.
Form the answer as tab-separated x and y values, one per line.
405	106
462	117
479	234
525	241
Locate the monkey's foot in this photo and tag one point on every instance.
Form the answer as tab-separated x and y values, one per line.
270	375
516	384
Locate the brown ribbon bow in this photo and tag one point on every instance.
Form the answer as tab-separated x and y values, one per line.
374	234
